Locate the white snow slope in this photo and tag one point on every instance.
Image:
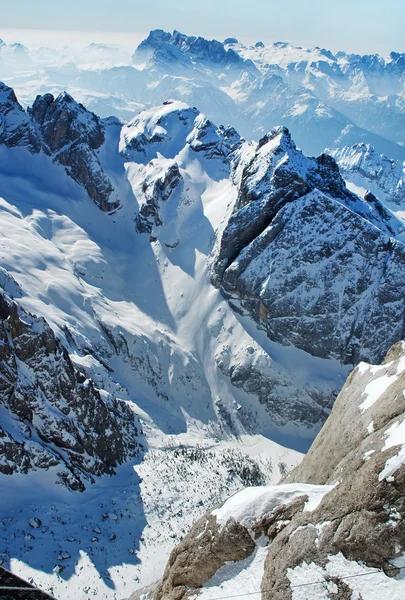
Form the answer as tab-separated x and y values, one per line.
142	320
77	267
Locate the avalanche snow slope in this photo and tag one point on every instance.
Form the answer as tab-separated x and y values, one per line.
143	322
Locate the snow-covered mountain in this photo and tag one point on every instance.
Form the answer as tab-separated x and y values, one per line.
138	264
325	99
334	527
364	169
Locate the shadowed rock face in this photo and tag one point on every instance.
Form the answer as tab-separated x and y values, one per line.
72	135
316	267
16	128
67	426
360	521
67	132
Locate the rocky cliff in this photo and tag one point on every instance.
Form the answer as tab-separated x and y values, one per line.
65	130
333	528
301	254
53	417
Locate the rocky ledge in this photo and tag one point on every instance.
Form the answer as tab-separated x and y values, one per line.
338	517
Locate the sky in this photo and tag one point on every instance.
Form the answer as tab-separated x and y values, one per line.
362	26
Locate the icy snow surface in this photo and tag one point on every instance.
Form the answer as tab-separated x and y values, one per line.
363	581
252	504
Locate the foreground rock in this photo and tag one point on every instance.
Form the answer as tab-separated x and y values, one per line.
338	519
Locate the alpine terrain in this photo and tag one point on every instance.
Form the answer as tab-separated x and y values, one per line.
180	307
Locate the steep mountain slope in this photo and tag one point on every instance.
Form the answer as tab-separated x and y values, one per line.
129	307
364	169
295	224
52	416
334	529
326	100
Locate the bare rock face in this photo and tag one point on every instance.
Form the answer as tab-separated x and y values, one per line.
357	524
156	189
55	419
202	552
301	254
16	128
72	135
361	520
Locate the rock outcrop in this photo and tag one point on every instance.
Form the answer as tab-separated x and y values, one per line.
72	135
205	549
294	225
337	519
53	417
67	132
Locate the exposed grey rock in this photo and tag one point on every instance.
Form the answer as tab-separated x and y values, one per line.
155	191
72	135
16	128
316	267
54	417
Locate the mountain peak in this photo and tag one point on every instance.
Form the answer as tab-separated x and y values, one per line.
191	48
16	128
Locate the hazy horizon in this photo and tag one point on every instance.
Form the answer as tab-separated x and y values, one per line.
361	27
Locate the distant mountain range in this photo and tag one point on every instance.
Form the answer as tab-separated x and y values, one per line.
327	100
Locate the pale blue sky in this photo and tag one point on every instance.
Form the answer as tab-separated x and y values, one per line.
354	25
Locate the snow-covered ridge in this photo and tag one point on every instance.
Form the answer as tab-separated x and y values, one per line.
363	168
325	99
